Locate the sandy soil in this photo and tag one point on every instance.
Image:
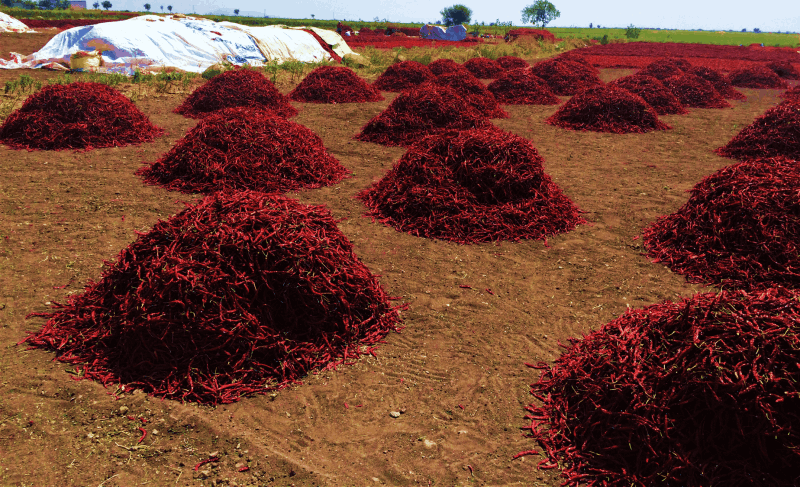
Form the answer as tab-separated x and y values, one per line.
457	372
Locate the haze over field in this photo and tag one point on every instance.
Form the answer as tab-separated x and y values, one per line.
768	15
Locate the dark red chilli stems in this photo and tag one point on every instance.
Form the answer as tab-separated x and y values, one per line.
334	84
739	229
403	75
239	294
696	393
245	149
472	186
653	92
607	109
775	133
236	88
77	116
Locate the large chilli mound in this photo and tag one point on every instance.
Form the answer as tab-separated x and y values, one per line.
482	67
784	69
756	77
740	228
694	91
236	88
77	116
703	392
719	81
520	87
776	133
512	62
665	68
334	84
474	92
239	294
565	77
442	66
653	92
421	111
792	94
245	149
403	75
607	109
472	186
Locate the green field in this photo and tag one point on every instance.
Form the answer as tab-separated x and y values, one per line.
687	36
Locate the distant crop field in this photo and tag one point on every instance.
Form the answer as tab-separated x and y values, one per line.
687	36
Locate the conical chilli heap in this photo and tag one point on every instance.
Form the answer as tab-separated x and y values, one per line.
756	77
520	87
653	92
607	109
740	228
481	67
473	92
334	84
245	148
784	69
77	116
418	112
242	293
237	88
441	66
472	186
402	76
775	133
512	62
719	81
700	392
665	68
694	91
565	78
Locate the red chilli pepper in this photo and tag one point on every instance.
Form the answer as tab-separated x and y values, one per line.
208	460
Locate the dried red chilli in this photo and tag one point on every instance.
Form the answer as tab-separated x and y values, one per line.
208	460
719	81
482	67
565	77
784	69
403	75
694	91
239	294
665	68
775	133
576	57
699	392
695	52
245	148
653	92
442	66
473	92
607	109
740	228
756	76
77	116
144	435
334	84
521	87
418	112
236	88
540	34
478	185
337	58
792	94
512	62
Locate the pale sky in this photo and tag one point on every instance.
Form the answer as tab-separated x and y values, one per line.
768	15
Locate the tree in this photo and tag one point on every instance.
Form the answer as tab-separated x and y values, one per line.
590	25
456	15
312	16
169	7
236	11
632	32
96	5
147	6
162	8
757	30
541	12
106	4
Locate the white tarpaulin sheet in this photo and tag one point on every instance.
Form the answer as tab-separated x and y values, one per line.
10	24
453	33
153	42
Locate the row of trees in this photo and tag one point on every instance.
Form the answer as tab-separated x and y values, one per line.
147	7
540	12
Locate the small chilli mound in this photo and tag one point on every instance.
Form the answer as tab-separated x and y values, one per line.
520	87
607	109
474	92
236	88
472	186
784	69
756	77
719	81
245	149
512	62
665	68
403	75
792	94
776	133
77	116
334	84
484	68
653	92
240	294
421	111
564	77
442	66
699	392
694	91
740	228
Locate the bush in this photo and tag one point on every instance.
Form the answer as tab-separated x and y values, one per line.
632	32
604	40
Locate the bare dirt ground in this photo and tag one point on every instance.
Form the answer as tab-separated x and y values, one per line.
456	372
